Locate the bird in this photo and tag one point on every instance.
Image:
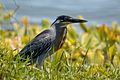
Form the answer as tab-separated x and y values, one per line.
48	41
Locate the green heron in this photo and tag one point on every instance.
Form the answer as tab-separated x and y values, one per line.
44	43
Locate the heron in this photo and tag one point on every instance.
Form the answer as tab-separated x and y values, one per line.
43	44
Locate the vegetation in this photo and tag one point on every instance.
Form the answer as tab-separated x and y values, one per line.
91	54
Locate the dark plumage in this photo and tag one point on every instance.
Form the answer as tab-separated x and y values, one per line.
53	38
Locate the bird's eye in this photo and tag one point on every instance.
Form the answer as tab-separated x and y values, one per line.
65	18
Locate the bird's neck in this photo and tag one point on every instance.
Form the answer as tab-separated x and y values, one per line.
59	28
60	31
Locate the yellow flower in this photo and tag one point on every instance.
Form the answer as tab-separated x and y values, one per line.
25	21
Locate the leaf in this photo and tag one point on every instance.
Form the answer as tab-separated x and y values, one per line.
25	39
98	57
45	23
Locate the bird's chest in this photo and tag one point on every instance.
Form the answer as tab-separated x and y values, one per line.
60	38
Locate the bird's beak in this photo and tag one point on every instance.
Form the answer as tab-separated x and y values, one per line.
72	20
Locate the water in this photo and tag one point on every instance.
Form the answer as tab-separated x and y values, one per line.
98	11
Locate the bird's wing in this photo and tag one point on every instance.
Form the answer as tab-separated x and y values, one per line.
41	44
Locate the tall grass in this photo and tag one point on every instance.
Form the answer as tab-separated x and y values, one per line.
91	54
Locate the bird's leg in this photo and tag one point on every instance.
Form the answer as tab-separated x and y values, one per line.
40	60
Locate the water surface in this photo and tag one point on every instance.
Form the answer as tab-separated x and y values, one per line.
98	11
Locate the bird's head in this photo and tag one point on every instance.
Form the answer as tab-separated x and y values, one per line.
67	20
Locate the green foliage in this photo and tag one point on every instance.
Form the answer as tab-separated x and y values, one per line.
73	61
91	54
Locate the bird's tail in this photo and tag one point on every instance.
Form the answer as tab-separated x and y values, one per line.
22	58
19	57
